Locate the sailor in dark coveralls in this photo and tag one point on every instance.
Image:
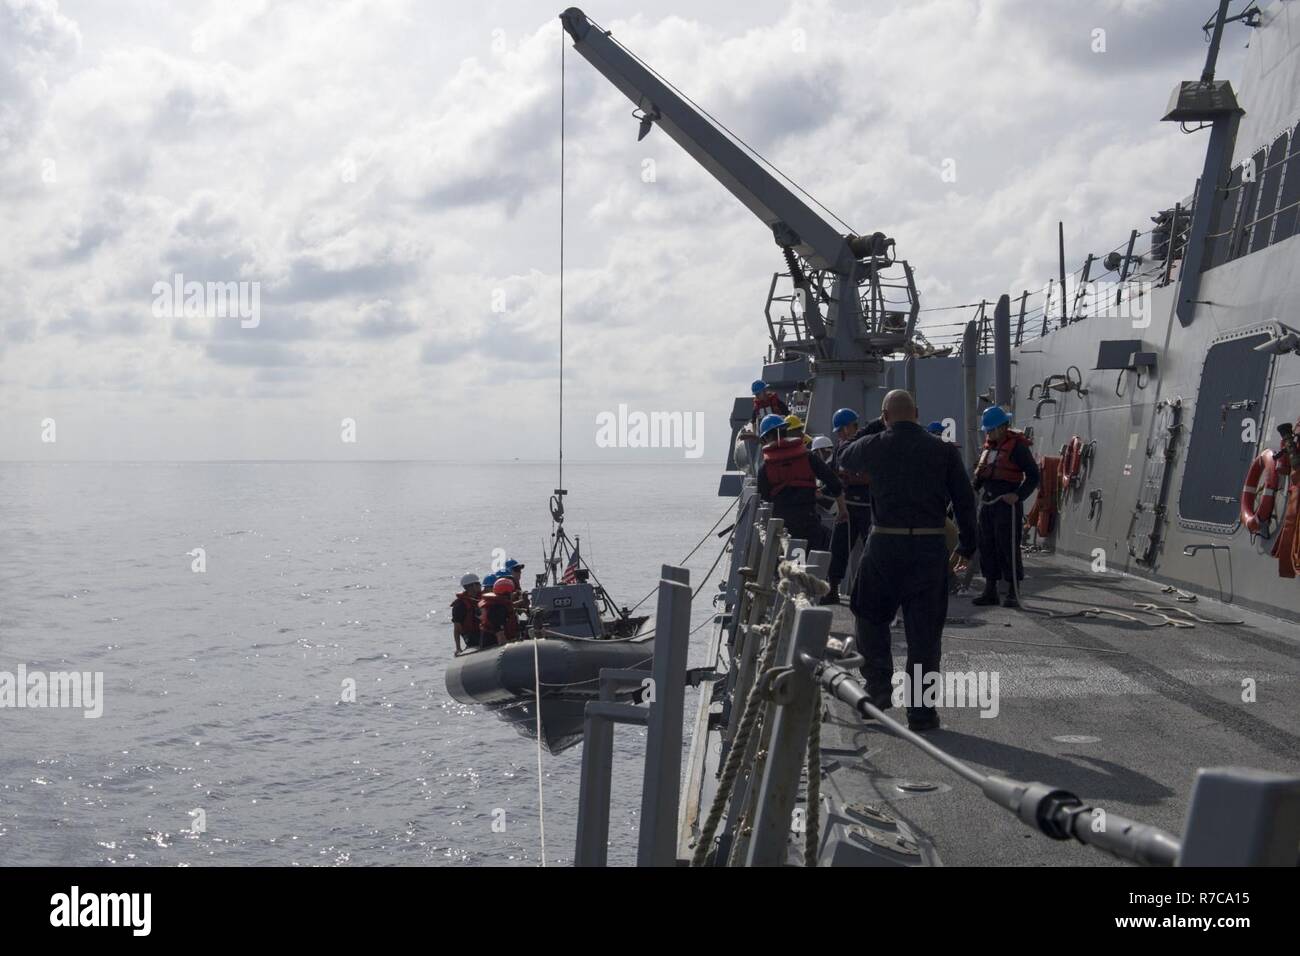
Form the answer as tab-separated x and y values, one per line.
914	476
1005	476
857	494
788	477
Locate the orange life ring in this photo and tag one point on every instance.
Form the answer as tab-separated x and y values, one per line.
1042	517
1256	505
1071	462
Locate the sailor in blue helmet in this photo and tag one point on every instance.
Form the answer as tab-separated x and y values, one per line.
857	495
788	477
515	571
914	477
766	402
1005	476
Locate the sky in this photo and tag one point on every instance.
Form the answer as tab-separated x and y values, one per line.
380	182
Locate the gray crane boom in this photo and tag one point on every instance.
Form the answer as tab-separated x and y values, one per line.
793	223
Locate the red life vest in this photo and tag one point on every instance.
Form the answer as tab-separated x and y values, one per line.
1043	515
786	465
468	627
489	629
996	464
767	404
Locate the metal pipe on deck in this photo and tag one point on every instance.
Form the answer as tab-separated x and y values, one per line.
1054	812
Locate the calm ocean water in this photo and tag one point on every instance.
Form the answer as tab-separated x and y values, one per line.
222	689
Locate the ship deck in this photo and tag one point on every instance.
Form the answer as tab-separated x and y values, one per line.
1119	713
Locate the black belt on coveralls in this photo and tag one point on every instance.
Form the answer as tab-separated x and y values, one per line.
876	529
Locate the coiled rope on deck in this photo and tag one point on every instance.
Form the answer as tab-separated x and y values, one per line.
1149	609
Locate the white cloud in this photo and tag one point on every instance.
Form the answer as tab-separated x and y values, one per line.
389	175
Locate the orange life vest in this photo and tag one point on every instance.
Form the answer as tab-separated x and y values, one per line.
996	463
486	603
766	404
468	627
1042	517
786	465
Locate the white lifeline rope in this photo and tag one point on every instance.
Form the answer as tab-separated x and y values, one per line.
1151	610
541	809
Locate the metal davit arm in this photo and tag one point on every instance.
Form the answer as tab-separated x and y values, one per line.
792	221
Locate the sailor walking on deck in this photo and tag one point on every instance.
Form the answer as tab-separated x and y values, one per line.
914	477
788	477
857	494
1005	476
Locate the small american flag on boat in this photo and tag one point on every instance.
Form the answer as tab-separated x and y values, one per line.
571	571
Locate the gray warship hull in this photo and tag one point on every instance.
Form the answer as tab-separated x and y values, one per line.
1122	711
1163	639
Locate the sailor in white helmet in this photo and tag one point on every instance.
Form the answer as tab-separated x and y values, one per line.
746	453
464	613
